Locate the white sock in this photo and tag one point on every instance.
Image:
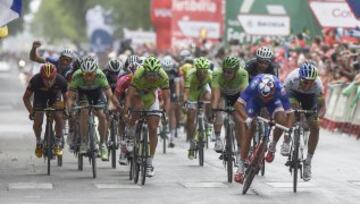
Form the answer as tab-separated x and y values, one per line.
308	158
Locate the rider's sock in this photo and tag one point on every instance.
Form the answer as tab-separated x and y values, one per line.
38	140
309	157
172	135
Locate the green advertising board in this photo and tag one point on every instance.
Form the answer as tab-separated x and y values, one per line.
298	13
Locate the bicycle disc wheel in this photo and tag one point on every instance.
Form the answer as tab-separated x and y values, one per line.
295	160
144	155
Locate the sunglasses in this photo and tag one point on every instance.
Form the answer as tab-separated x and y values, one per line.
261	61
228	71
307	82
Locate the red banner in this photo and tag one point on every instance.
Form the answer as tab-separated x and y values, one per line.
193	20
161	19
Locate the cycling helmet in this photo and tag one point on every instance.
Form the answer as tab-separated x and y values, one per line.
89	64
132	59
167	63
231	63
67	53
152	64
308	70
201	63
48	71
266	86
264	53
114	65
184	54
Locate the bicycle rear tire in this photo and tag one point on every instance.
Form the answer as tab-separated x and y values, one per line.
144	154
113	144
295	160
201	148
80	162
229	154
93	154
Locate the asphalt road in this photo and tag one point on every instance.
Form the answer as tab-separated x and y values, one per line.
23	179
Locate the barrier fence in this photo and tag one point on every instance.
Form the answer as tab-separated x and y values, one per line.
343	109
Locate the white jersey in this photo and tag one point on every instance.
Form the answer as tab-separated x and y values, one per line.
292	83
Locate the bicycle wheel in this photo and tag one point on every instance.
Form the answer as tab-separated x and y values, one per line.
112	145
201	148
229	153
48	146
163	136
92	151
80	161
144	154
249	177
137	153
59	160
295	159
131	168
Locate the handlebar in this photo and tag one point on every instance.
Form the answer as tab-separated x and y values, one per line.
272	123
87	106
227	109
49	109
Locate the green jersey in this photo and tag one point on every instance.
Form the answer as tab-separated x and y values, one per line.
78	81
230	87
195	86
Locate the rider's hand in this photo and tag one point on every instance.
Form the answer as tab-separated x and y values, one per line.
36	44
248	122
32	115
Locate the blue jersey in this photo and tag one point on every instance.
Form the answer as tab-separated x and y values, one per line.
61	70
254	102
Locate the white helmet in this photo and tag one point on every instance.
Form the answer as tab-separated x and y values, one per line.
167	62
114	65
67	53
264	53
89	64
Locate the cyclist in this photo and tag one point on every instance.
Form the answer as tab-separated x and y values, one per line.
122	84
63	63
90	83
197	88
305	88
262	63
111	71
47	87
142	94
168	64
265	90
227	84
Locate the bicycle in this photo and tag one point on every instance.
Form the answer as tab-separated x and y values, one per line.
200	135
113	144
49	138
261	128
298	144
141	150
258	154
227	155
92	152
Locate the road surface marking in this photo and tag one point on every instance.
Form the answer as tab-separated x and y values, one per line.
117	186
24	186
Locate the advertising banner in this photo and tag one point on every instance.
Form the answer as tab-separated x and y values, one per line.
196	19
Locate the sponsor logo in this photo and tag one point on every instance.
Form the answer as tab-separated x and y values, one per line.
195	6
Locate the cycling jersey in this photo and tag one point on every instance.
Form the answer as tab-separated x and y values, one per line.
61	70
123	84
173	77
232	87
111	77
254	102
90	90
251	68
146	90
44	96
308	99
185	69
196	87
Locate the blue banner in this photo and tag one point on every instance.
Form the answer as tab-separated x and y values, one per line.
10	10
355	7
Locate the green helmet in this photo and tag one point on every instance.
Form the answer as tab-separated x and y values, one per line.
152	64
201	63
231	62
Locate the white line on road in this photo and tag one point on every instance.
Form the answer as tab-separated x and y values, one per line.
117	186
24	186
204	185
289	184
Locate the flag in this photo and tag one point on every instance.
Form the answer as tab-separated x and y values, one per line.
10	10
3	31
